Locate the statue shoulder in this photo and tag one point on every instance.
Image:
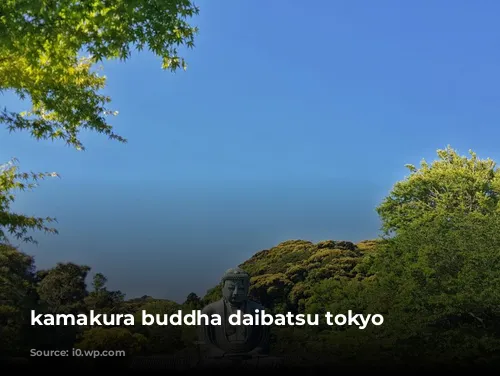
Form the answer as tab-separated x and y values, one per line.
214	307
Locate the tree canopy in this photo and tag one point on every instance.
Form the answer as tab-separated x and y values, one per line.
12	180
41	46
435	282
48	54
452	184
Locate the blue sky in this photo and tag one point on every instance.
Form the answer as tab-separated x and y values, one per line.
293	121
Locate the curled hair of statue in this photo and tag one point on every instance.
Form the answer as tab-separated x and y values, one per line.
235	274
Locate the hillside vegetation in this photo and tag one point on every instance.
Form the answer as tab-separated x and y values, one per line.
434	275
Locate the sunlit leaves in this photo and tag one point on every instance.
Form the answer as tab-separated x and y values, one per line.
48	56
451	184
440	270
40	47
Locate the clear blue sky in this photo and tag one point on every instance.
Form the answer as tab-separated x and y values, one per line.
293	121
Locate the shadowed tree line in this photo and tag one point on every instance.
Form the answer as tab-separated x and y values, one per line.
434	274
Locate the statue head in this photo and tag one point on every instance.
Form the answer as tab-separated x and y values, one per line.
235	285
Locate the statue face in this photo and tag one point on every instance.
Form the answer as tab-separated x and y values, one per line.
235	291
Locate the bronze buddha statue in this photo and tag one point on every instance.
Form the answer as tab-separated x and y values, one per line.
227	341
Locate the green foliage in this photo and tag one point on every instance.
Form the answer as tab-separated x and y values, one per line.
442	276
16	296
213	294
161	338
40	61
40	43
63	288
12	180
283	277
435	283
193	301
453	184
100	299
106	339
